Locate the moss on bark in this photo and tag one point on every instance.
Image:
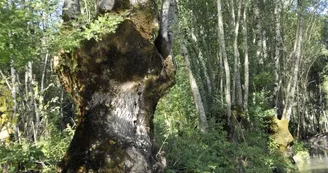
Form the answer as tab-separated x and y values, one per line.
116	83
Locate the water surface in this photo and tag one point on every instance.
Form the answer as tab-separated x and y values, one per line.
316	164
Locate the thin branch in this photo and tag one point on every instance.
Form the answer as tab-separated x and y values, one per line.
7	82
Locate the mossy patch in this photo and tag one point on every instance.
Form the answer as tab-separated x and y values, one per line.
281	135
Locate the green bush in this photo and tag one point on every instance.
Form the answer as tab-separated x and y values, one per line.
212	152
43	156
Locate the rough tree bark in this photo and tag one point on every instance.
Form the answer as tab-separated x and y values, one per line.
116	84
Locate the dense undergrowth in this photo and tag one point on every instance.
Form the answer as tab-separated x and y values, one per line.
189	150
211	152
177	134
42	156
30	35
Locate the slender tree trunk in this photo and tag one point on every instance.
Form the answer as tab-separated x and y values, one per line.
297	55
40	96
61	110
277	58
237	98
198	67
258	29
34	103
116	85
196	94
225	59
32	115
265	50
246	61
27	116
14	97
201	59
221	78
44	72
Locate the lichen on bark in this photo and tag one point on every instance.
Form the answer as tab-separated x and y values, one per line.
116	83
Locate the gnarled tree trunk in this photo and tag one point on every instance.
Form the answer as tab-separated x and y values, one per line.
116	83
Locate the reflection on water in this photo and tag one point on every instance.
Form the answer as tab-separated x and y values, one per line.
317	164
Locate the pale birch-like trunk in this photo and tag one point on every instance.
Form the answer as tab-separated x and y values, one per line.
31	123
221	77
199	70
201	59
36	105
297	55
277	60
40	96
246	61
14	97
236	86
257	38
225	59
235	26
203	124
265	52
44	72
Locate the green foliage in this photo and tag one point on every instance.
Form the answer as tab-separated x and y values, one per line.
325	85
44	155
176	110
20	156
6	103
189	150
193	151
264	80
19	31
74	32
299	146
30	28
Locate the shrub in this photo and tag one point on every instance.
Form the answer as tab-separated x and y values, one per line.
43	155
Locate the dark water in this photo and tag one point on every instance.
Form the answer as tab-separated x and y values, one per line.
318	164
